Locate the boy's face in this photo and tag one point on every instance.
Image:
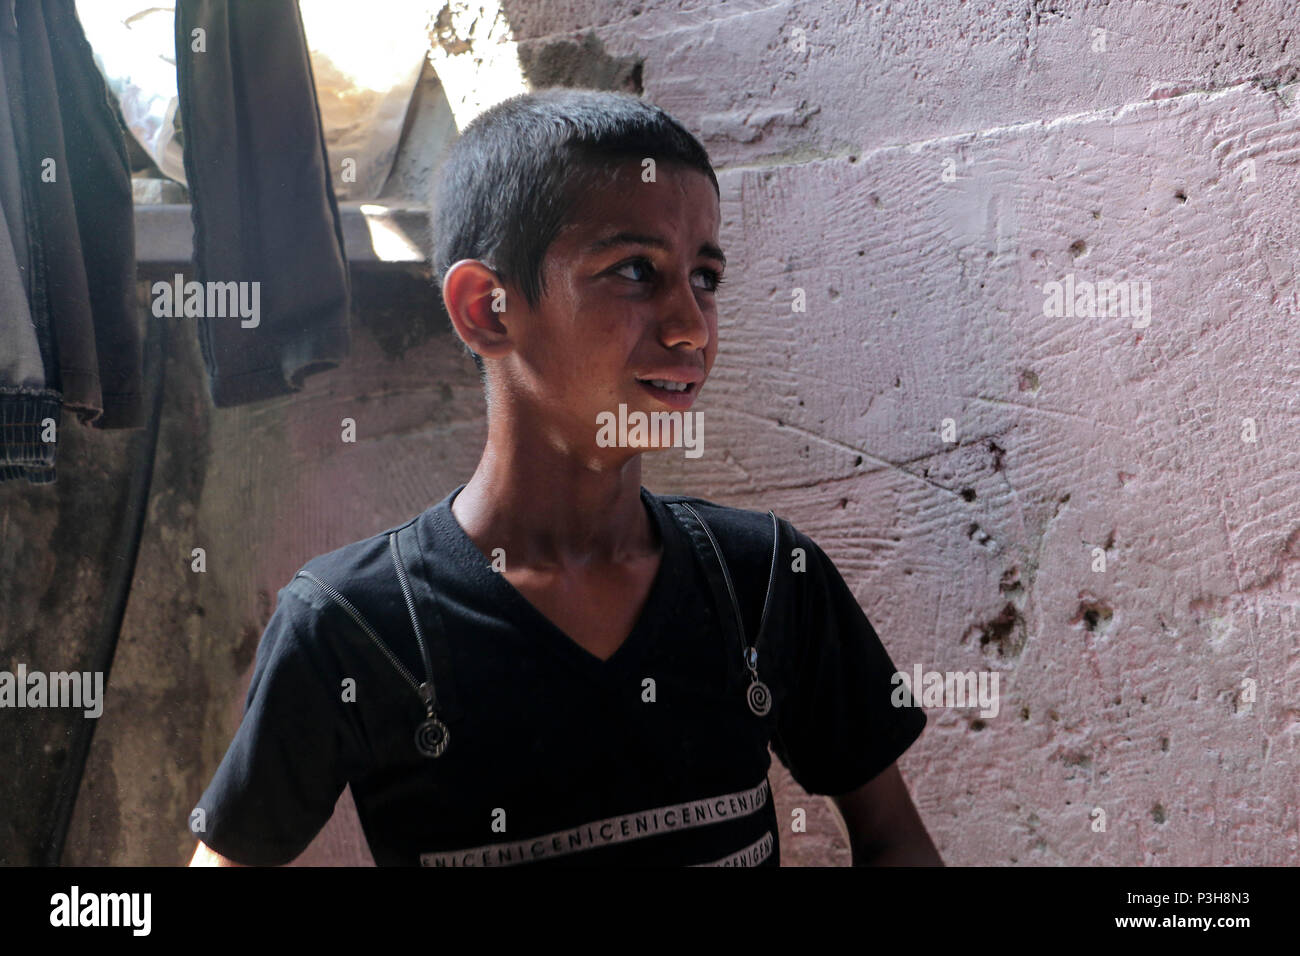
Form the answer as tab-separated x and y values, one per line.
629	296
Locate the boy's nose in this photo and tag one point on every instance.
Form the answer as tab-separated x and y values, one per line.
683	321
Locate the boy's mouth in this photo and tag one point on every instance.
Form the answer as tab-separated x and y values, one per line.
678	395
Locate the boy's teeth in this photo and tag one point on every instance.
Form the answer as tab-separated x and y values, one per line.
670	386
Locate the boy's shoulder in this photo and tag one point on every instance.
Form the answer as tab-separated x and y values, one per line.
366	560
744	532
358	579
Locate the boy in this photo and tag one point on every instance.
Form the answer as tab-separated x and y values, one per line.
552	664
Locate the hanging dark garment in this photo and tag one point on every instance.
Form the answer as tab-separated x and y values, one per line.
262	202
67	260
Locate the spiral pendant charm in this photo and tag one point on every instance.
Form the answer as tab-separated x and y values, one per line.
758	698
431	737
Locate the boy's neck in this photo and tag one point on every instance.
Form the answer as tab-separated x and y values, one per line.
548	510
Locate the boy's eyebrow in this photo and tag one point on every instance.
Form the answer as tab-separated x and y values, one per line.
707	249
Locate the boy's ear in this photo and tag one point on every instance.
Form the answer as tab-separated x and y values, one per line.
477	302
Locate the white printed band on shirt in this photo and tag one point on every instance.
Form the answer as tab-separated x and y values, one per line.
752	855
611	831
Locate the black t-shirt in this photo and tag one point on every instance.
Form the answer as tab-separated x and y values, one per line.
553	756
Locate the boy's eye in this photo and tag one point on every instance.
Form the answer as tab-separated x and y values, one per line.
712	279
635	264
629	270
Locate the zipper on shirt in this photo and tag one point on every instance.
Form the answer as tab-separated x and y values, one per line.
771	577
726	576
749	653
425	691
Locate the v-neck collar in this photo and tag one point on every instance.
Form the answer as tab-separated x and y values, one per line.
661	603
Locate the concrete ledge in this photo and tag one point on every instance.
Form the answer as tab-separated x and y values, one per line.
375	235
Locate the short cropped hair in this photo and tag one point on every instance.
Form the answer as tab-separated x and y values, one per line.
508	185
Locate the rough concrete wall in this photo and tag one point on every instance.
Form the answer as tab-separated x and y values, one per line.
831	124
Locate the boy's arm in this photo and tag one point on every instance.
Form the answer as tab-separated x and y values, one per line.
296	747
884	827
204	855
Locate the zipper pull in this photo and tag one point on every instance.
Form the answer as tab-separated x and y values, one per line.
427	695
431	736
758	697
